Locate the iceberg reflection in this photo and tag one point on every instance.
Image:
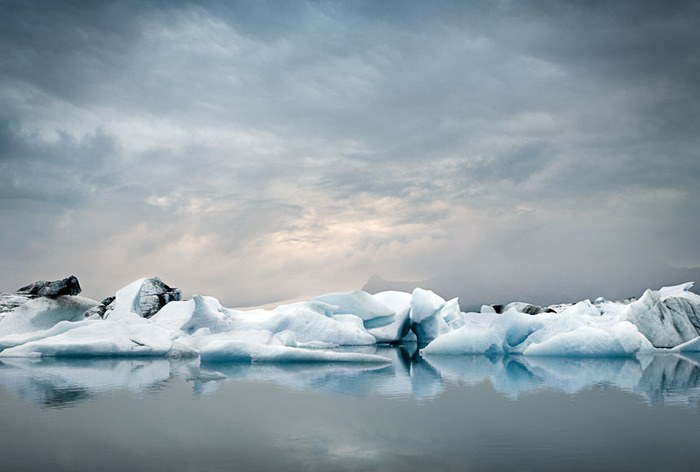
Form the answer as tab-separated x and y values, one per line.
672	379
61	382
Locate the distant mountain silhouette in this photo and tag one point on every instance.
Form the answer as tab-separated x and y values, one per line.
377	284
474	291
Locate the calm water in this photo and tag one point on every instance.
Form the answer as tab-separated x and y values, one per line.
467	413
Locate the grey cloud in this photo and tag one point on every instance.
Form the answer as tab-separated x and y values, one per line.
517	164
630	41
64	171
246	124
70	56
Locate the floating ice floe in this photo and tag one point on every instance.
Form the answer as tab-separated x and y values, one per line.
147	318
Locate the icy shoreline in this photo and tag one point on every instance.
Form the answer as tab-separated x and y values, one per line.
147	318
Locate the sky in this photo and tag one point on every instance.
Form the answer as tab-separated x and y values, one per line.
265	151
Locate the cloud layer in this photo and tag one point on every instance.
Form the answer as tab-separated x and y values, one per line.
259	151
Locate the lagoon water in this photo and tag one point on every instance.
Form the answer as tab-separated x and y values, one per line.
438	413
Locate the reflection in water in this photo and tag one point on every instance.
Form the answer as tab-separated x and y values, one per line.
59	382
669	379
413	414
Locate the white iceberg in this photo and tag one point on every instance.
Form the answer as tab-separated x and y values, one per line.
664	321
43	313
585	330
97	338
427	320
359	303
146	318
400	304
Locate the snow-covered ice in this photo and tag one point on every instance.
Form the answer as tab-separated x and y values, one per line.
147	318
43	313
659	319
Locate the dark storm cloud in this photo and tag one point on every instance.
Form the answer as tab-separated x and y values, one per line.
248	141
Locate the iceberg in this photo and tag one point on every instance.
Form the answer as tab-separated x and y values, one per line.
400	303
579	330
148	318
43	313
427	319
91	338
142	298
666	321
372	311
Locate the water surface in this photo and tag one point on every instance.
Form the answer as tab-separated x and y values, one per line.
441	413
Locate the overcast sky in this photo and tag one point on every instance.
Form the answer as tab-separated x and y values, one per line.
262	151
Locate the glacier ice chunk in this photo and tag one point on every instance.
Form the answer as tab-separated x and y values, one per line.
98	338
310	331
142	298
426	317
400	304
43	313
665	322
621	340
578	331
374	313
